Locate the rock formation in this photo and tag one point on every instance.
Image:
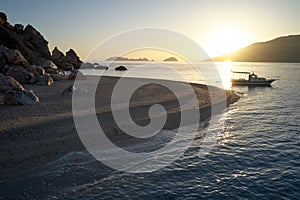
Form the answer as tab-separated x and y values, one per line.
8	83
28	41
25	59
20	98
121	68
70	61
3	17
14	92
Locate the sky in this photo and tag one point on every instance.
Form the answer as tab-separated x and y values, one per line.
218	26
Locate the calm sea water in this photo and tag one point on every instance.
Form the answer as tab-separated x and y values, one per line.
257	155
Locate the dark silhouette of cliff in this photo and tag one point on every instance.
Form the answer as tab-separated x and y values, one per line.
282	49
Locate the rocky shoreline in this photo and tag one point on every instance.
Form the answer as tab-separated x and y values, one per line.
36	121
25	59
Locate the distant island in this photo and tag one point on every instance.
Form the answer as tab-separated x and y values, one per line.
127	59
118	58
282	49
171	59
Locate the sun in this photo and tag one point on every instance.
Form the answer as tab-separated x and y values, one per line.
225	41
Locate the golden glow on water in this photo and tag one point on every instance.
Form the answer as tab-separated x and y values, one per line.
225	73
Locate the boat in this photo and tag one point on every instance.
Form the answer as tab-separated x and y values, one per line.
251	80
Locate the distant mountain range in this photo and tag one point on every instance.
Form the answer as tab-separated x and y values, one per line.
126	59
282	49
170	59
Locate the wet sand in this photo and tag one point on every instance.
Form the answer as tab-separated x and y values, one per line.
33	135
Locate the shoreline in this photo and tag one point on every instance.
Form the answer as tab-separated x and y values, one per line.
34	135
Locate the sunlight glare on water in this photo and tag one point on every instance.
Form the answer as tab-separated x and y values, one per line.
225	74
256	156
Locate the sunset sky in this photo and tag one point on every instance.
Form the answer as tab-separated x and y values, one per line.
218	26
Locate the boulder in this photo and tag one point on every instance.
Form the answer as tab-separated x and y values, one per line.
8	83
13	56
19	73
76	74
20	98
56	56
121	68
3	60
32	69
66	66
3	17
18	28
4	68
73	59
68	62
48	64
69	90
44	80
36	40
39	70
57	77
55	71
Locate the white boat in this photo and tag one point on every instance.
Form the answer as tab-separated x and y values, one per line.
251	80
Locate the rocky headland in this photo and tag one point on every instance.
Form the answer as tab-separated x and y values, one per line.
25	59
282	49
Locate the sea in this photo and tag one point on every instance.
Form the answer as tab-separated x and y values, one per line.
256	154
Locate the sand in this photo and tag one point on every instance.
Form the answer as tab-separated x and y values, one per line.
33	135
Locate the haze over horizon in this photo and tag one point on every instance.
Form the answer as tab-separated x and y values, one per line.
218	26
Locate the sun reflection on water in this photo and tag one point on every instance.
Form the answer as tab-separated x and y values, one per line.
225	73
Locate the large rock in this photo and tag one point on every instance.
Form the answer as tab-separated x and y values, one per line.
40	70
71	90
57	77
20	98
45	80
19	73
8	83
73	59
14	92
55	71
37	41
3	17
15	57
66	66
12	56
29	42
3	60
121	68
48	64
56	56
19	28
70	61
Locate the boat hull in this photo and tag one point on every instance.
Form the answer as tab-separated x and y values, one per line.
252	83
